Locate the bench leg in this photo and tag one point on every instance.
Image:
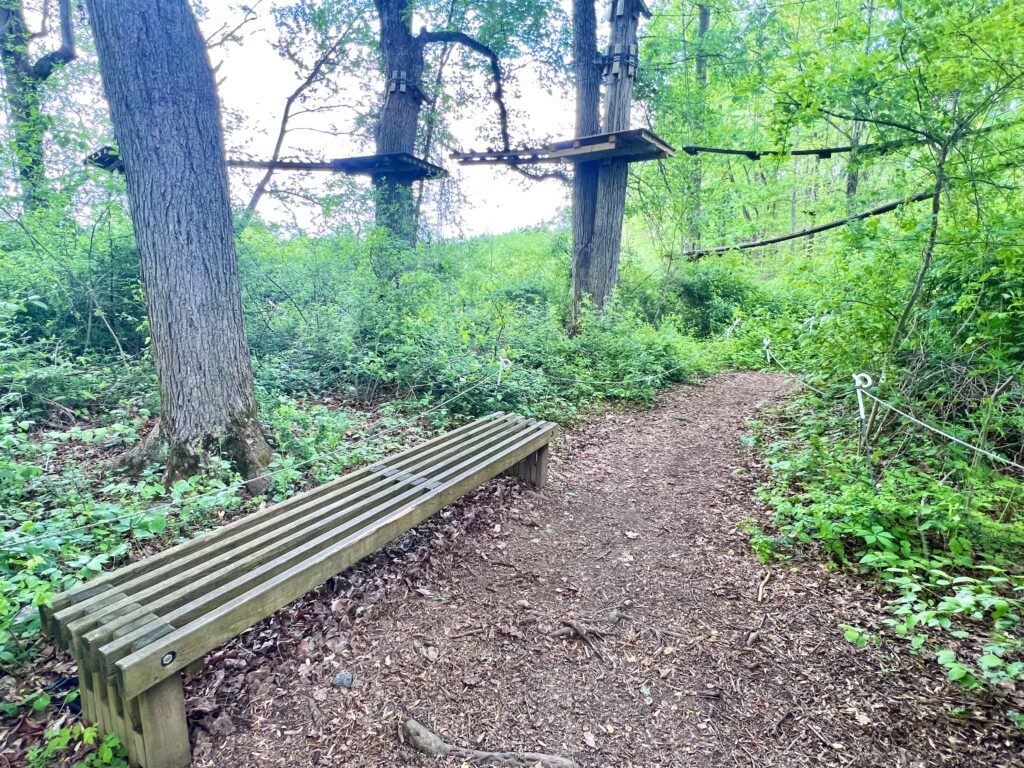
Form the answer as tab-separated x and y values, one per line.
540	477
86	693
533	469
161	721
151	727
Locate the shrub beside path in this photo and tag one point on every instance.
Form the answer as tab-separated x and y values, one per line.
618	618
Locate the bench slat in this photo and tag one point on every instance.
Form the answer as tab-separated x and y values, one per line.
204	582
146	667
125	573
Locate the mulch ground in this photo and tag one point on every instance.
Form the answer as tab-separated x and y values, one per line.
719	660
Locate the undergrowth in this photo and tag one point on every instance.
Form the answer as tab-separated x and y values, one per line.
348	368
938	529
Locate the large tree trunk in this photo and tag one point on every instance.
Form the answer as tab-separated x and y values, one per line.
163	105
22	83
611	186
587	67
396	128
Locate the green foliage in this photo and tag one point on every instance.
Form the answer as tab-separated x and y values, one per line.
345	357
951	570
72	739
354	338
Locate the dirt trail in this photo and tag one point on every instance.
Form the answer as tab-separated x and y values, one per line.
719	661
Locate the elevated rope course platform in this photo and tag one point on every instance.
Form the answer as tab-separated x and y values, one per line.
397	164
635	145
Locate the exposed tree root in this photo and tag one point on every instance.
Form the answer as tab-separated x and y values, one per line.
429	743
245	448
148	450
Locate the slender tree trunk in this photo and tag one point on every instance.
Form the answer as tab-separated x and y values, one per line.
853	172
587	67
22	83
701	72
610	212
402	55
929	251
163	105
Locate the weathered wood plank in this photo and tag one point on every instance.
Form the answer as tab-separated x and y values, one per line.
126	573
206	580
146	667
164	729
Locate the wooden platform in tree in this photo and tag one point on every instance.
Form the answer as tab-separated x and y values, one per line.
399	164
635	145
107	158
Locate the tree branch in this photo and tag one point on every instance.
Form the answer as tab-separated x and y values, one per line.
222	36
282	132
881	121
461	38
43	68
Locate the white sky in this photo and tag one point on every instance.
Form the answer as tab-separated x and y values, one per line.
255	81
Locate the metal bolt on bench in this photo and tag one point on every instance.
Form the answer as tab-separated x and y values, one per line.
134	630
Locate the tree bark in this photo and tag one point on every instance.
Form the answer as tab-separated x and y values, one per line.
610	211
402	56
587	66
163	105
22	83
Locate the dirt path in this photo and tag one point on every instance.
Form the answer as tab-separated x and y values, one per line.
720	661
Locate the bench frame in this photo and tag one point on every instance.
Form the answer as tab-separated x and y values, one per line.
130	676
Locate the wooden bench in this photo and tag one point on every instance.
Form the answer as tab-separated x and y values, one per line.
134	630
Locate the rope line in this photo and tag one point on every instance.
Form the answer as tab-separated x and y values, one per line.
771	356
937	431
28	540
862	391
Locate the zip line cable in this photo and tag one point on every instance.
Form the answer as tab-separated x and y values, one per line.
878	211
28	540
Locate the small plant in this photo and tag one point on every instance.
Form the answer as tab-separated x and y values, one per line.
69	741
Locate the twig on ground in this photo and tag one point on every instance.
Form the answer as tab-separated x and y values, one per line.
429	743
760	587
